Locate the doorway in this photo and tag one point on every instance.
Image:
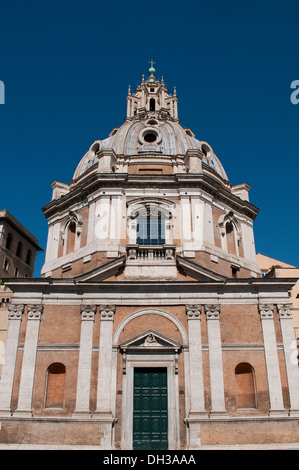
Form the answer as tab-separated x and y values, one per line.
150	409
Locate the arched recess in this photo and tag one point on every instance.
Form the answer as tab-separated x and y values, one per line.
245	383
230	231
148	311
71	232
55	386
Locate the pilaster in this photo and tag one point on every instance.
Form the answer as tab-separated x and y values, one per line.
105	361
197	405
272	363
29	358
215	357
289	345
85	356
15	313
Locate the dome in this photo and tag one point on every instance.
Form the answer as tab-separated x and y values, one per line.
167	138
151	129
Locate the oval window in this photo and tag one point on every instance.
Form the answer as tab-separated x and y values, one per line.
150	137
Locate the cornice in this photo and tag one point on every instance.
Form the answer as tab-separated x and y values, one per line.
96	181
251	286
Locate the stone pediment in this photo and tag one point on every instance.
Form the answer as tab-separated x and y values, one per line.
150	341
198	272
104	271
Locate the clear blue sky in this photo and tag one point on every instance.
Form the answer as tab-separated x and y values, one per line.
67	65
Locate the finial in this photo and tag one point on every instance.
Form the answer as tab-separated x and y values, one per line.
162	80
152	71
174	91
129	90
143	78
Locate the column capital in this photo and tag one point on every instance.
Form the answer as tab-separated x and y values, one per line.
212	312
266	311
34	312
88	312
193	312
285	311
107	312
15	312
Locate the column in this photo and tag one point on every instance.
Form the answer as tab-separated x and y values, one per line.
197	405
290	354
11	348
272	364
28	364
215	357
85	355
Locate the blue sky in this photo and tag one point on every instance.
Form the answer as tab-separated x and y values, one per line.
66	66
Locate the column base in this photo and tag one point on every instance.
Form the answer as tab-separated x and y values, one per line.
195	415
278	413
294	413
105	416
218	414
81	414
23	414
107	422
193	425
5	412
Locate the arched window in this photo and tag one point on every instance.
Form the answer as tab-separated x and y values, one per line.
71	237
6	264
151	227
28	257
8	241
245	382
230	233
230	238
19	249
56	375
152	104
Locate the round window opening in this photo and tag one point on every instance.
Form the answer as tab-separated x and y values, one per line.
150	137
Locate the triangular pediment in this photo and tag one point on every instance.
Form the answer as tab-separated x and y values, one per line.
150	340
198	272
104	271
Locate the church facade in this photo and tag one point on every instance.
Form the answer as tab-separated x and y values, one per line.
150	326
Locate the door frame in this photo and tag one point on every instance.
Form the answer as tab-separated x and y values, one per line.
147	361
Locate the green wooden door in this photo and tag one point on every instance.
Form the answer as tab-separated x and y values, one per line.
150	418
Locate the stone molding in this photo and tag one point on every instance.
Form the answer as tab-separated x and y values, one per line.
35	312
15	312
212	312
193	312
